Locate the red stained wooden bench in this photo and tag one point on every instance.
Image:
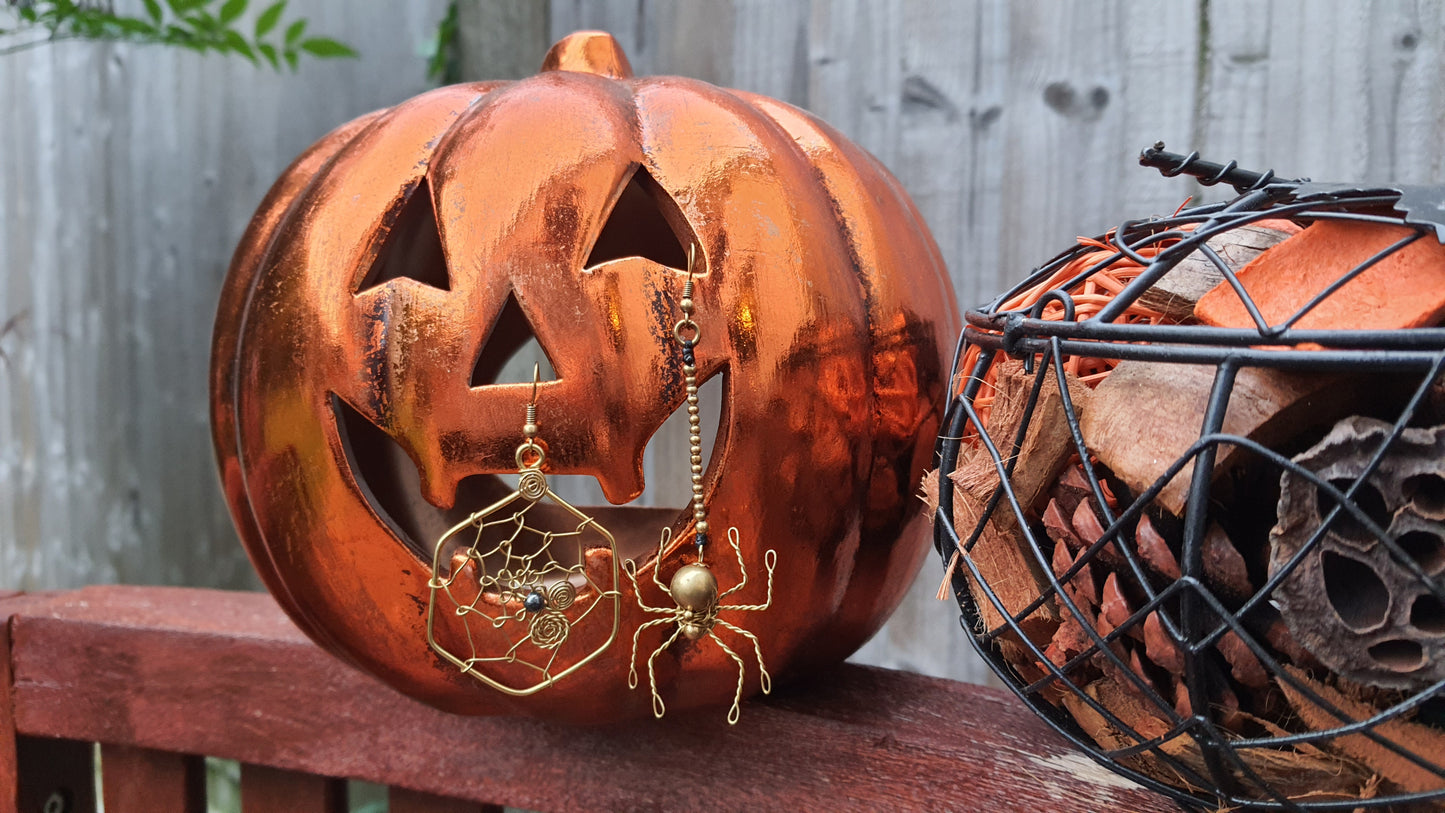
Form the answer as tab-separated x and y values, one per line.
161	676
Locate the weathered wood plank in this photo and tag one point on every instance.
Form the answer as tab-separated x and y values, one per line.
502	39
401	800
143	780
1336	90
55	773
274	790
9	767
104	663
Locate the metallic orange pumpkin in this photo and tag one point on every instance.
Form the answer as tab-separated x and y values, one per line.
352	326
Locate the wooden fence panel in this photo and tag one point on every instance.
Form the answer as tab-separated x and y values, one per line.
126	177
128	174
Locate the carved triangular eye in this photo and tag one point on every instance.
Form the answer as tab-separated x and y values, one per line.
510	350
412	247
645	222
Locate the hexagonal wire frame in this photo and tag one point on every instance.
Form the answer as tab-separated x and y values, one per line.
1202	619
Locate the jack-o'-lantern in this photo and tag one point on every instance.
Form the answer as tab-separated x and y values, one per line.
400	261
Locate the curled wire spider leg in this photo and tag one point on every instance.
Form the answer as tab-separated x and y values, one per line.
742	566
764	678
770	561
734	711
637	636
661	548
658	708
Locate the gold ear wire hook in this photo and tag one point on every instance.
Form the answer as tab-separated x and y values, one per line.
687	289
529	430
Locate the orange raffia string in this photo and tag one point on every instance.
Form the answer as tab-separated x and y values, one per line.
1090	296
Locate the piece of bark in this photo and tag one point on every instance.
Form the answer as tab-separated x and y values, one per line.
928	493
1405	289
1176	292
1146	415
1047	444
1001	553
1302	772
1422	740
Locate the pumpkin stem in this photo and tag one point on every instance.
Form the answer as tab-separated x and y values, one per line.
589	52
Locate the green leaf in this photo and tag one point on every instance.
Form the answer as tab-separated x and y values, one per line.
239	45
27	13
327	48
294	32
269	18
201	21
153	9
290	56
231	10
133	25
269	51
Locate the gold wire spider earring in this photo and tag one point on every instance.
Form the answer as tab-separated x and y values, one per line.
516	575
694	588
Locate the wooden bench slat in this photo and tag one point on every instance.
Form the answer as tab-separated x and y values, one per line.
144	780
50	769
225	674
401	800
274	790
9	758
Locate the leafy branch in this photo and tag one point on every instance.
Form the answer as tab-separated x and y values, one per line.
443	62
197	25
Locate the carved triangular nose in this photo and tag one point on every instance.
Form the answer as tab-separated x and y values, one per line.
644	222
511	350
412	245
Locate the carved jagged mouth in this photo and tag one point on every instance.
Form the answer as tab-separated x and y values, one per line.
391	484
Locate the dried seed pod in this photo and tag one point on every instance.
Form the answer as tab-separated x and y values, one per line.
1224	567
1243	664
1155	551
1355	604
1160	647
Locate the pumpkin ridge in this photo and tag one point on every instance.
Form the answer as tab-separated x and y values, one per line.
255	246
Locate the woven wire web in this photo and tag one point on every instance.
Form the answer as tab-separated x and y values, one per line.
508	557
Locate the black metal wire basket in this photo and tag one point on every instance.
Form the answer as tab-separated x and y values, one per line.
1192	494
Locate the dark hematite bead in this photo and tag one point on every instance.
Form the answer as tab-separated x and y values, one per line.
701	540
687	355
534	602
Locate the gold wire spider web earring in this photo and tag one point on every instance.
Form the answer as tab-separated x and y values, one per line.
516	575
694	588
